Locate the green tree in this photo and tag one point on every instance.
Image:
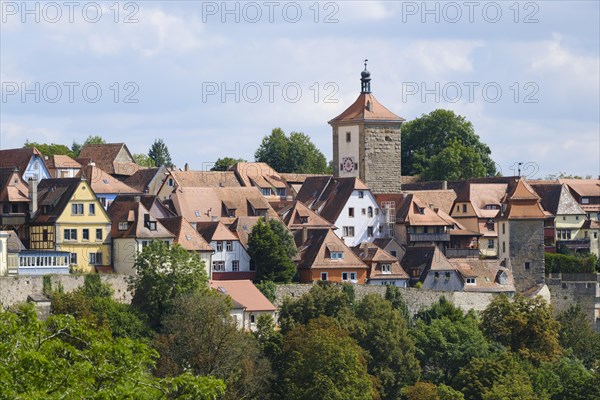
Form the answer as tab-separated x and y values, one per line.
498	377
323	362
393	295
49	149
382	332
323	299
63	357
429	391
163	273
223	164
200	336
429	140
159	153
144	160
445	345
269	289
295	153
271	248
525	326
577	335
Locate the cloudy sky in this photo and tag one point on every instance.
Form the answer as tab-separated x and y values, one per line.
212	78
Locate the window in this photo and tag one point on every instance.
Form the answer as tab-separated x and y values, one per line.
303	220
348	231
252	266
145	243
527	265
324	276
96	258
73	258
447	275
344	276
348	136
229	245
252	319
385	268
45	235
457	208
171	182
470	281
123	226
197	213
235	265
490	244
370	212
595	235
464	208
77	209
337	255
577	218
393	252
351	212
363	211
585	200
99	234
421	210
370	231
265	191
15	208
92	209
503	228
70	234
436	274
231	213
280	192
85	234
219	246
218	266
361	194
504	247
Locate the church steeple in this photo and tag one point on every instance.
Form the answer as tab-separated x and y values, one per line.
365	80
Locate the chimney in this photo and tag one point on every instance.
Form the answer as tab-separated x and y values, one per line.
445	185
304	234
186	167
137	199
33	196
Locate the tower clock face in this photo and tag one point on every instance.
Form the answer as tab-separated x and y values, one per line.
348	164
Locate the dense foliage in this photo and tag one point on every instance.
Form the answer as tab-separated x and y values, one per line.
272	249
179	341
296	153
223	164
556	262
159	154
443	146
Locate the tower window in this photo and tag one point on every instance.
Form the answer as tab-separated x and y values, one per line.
348	136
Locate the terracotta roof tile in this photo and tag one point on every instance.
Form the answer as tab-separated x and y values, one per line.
185	234
328	194
314	252
106	157
213	179
214	231
374	256
140	223
102	183
366	108
19	158
244	293
295	213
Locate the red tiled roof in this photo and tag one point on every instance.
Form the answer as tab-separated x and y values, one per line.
366	108
244	293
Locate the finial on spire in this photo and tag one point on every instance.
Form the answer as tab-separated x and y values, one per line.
365	79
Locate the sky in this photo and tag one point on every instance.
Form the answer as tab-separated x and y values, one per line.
213	78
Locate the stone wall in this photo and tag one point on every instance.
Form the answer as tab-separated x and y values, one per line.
527	248
382	157
416	299
15	289
567	290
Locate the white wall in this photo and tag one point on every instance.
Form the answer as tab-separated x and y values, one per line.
359	221
238	253
124	252
3	254
402	283
348	149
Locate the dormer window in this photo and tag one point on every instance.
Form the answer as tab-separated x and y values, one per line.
197	213
585	200
266	191
361	194
385	268
303	220
337	255
123	226
470	281
421	210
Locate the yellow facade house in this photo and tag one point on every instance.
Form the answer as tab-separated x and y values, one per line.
67	216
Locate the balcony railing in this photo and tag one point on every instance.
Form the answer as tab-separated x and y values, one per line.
429	237
12	219
462	253
576	244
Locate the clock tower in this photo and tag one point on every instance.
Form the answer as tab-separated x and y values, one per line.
367	143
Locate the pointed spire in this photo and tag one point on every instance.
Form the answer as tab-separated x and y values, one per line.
365	80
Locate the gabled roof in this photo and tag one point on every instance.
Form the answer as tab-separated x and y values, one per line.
103	183
486	274
242	226
293	214
54	194
62	161
244	293
215	231
13	187
315	251
557	199
414	212
139	222
374	256
142	178
258	174
19	158
151	202
214	179
366	108
203	203
424	259
185	234
13	243
106	158
442	199
329	194
583	187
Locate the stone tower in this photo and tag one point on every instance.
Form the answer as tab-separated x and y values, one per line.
521	237
367	143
